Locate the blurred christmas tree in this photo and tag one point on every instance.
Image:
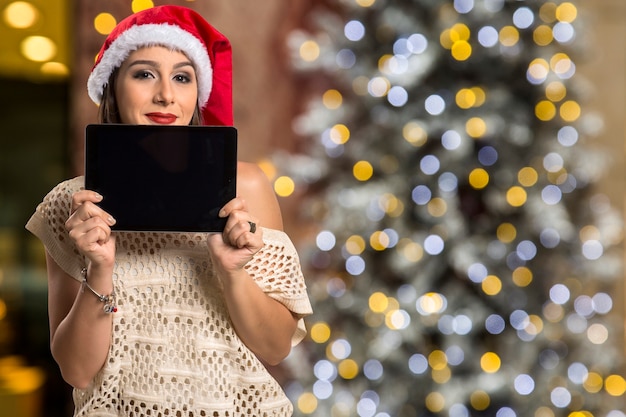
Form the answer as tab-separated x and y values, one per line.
463	265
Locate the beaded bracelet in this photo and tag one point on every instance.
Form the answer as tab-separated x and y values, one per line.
108	300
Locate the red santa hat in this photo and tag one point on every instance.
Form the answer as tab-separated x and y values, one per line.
181	29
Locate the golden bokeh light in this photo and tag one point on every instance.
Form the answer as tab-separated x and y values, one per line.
516	196
414	133
435	402
38	48
570	111
561	63
348	369
615	385
522	276
589	232
461	50
379	240
392	205
56	69
508	36
437	359
480	96
478	178
545	110
437	207
491	285
307	403
284	186
556	91
476	127
309	51
539	68
490	362
104	23
547	12
411	251
21	15
566	12
459	32
320	332
527	176
332	99
432	303
378	302
363	170
139	5
465	98
339	134
534	325
544	412
543	35
506	232
383	63
480	400
553	312
445	39
355	245
396	319
441	376
593	383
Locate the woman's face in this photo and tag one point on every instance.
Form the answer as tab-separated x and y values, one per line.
156	85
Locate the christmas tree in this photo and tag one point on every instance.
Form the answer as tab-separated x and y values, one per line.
462	264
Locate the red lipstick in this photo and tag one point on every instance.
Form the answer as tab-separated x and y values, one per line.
162	118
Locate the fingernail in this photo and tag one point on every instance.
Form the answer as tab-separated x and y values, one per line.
111	220
99	196
222	213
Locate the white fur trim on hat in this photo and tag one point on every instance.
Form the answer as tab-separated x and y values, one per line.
162	34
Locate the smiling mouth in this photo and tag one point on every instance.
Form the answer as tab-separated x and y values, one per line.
162	118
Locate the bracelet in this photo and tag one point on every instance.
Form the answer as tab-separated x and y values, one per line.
108	300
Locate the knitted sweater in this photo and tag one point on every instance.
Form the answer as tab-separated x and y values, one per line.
174	351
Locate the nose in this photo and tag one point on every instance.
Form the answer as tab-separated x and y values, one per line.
164	93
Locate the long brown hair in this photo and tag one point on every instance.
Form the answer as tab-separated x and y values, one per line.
108	111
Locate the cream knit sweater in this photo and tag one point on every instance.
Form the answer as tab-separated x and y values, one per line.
174	351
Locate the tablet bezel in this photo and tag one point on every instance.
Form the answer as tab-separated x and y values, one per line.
103	141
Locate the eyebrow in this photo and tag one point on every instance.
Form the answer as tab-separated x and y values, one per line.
157	65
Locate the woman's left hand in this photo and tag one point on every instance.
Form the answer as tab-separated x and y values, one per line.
242	237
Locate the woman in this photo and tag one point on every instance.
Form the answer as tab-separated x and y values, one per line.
170	324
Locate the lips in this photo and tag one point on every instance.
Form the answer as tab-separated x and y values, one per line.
162	118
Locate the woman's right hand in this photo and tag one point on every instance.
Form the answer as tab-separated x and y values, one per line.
89	227
80	332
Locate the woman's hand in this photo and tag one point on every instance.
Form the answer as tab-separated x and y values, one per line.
80	333
232	249
89	227
262	323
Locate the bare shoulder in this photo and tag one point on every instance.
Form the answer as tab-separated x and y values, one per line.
255	188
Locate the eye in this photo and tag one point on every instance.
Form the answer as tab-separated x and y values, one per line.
183	78
142	74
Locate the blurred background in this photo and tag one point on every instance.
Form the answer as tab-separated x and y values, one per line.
451	171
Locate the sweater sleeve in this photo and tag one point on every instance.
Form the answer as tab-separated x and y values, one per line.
276	269
48	224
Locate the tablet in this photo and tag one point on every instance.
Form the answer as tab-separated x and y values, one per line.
162	178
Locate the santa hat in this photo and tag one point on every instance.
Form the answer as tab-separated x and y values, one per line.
178	28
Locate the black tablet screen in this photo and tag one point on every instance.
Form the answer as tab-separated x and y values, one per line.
162	178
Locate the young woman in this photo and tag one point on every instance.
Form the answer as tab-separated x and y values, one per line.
170	324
